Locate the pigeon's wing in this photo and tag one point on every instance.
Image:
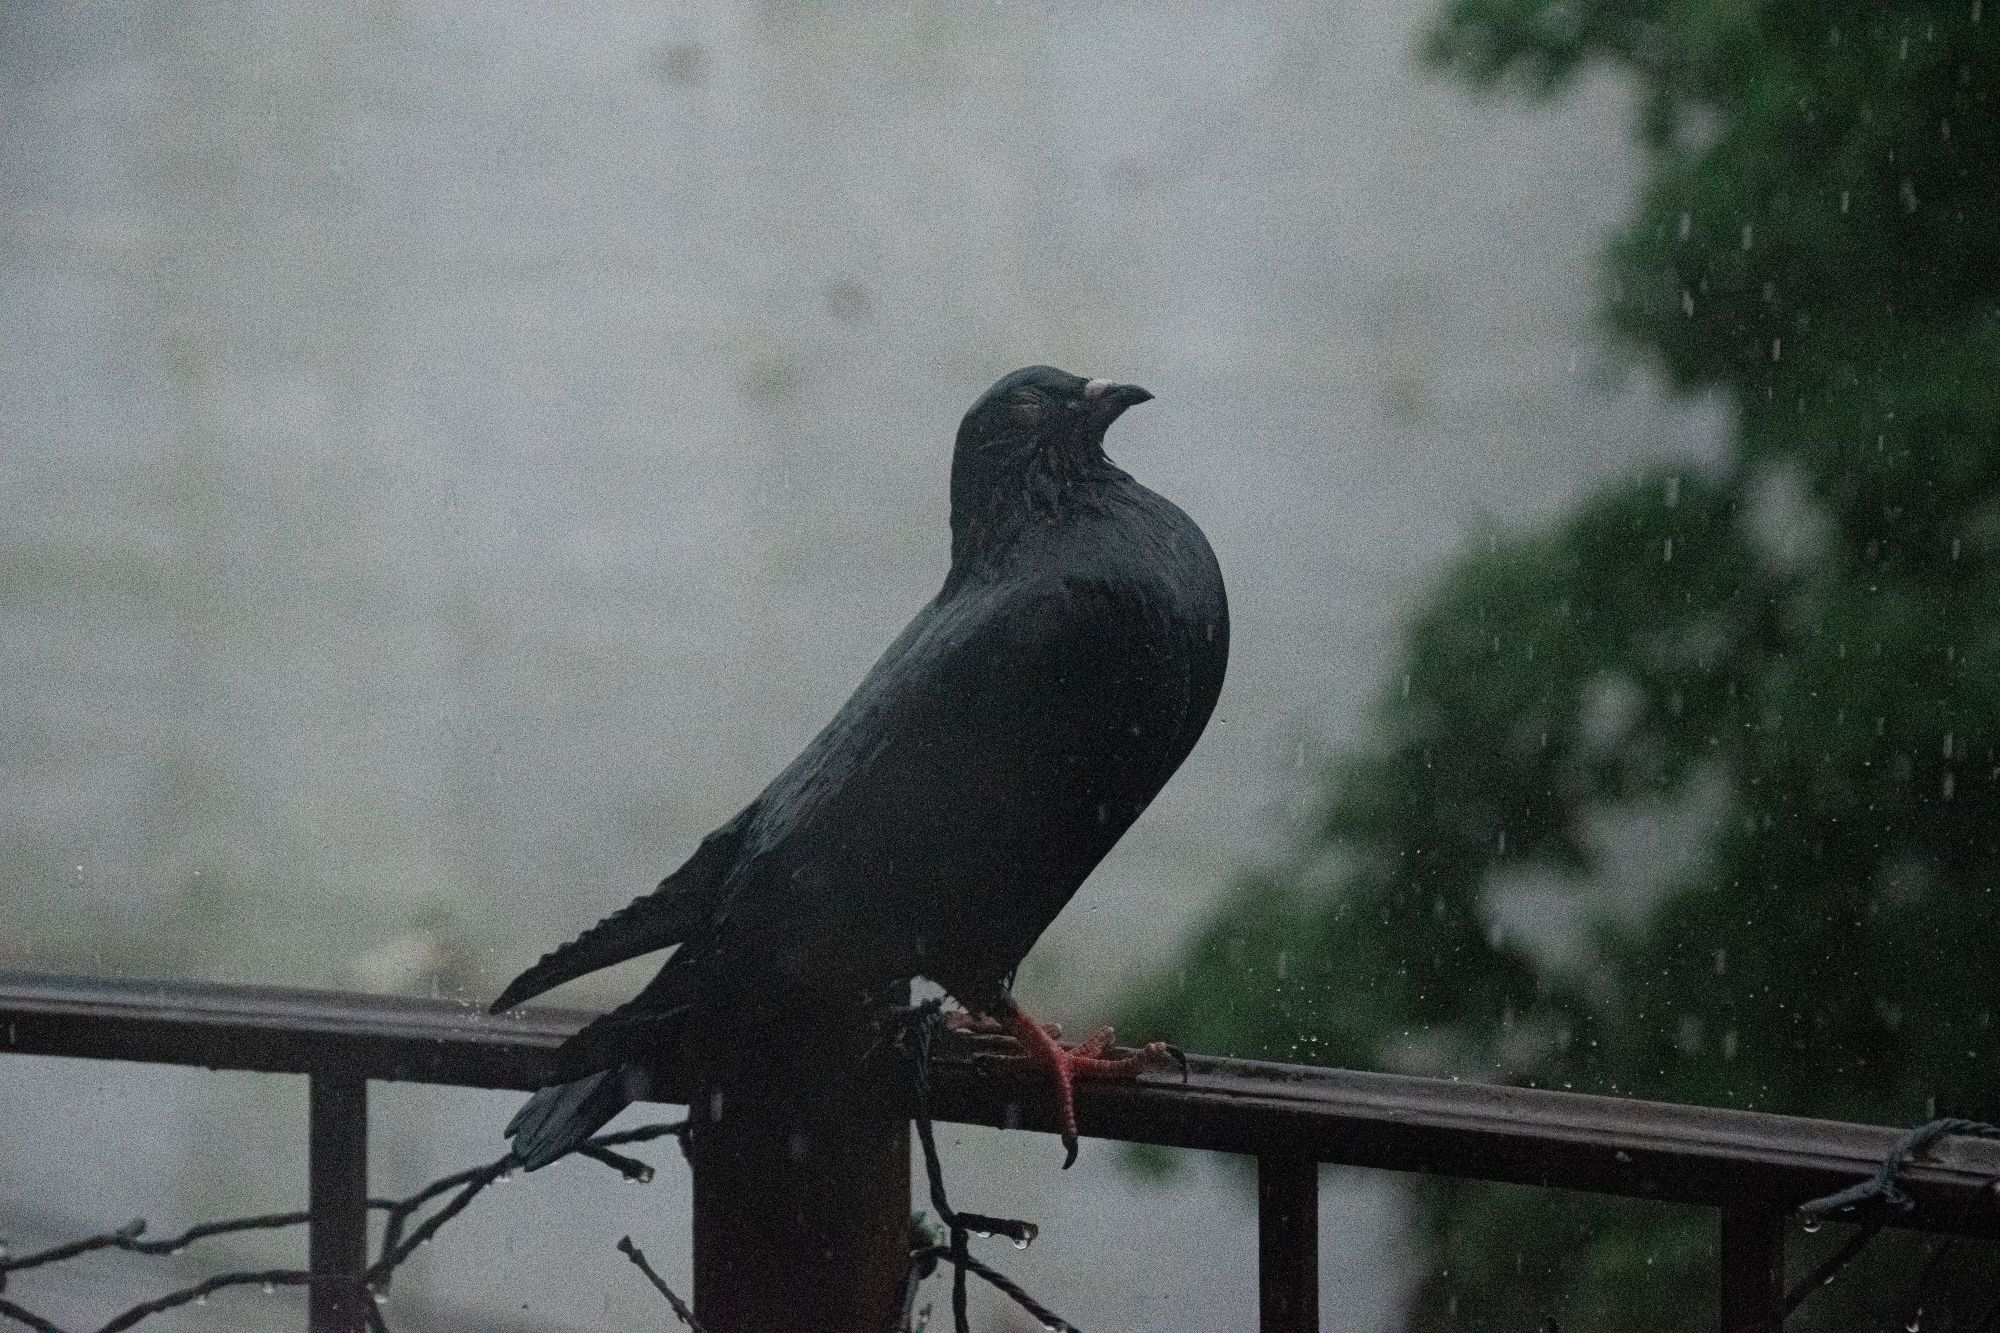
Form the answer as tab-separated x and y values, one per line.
679	907
989	761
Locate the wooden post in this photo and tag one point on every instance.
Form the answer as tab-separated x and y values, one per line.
337	1196
1752	1265
802	1197
1288	1244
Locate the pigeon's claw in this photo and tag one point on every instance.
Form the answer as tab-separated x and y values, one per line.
1087	1059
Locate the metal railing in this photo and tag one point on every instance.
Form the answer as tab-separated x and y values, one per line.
1753	1168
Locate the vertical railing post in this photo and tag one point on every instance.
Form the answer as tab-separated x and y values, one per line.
1287	1245
802	1196
1752	1265
337	1193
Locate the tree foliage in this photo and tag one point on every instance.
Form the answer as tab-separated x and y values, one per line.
1786	664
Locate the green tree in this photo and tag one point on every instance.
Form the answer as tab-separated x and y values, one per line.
1787	660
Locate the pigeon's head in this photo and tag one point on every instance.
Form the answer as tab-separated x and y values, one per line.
1040	409
1031	444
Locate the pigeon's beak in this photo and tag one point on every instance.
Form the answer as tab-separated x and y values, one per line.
1108	401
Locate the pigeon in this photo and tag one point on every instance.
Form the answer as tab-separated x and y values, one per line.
988	761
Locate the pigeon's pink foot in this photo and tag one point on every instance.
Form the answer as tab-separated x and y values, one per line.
1085	1060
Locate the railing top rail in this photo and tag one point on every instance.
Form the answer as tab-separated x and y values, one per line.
1608	1145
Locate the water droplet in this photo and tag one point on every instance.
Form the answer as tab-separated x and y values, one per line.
1621	1154
201	1300
269	1288
1812	1225
1916	1322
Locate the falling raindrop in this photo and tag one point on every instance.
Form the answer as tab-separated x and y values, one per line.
1687	303
1846	200
1667	552
1747	233
1687	224
1672	498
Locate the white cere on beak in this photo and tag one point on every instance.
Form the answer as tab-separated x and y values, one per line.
1096	388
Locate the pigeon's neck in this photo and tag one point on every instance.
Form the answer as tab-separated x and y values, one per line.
998	498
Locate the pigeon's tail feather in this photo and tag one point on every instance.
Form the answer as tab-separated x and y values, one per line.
635	1028
665	916
558	1120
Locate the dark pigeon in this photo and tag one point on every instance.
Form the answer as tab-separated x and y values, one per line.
991	758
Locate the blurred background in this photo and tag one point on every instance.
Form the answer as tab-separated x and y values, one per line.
452	456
